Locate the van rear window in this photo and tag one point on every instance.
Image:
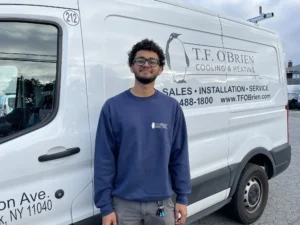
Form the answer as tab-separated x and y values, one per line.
28	74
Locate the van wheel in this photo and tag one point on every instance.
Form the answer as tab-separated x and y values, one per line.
250	198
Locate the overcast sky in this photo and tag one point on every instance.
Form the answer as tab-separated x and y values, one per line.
286	20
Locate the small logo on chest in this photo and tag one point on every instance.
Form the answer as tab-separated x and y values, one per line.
159	125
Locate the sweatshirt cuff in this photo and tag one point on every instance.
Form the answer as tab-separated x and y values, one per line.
182	199
106	210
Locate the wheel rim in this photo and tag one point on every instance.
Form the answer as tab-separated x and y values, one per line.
253	194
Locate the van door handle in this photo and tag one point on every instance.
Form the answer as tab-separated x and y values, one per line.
66	153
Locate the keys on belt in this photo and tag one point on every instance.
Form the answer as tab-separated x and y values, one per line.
161	209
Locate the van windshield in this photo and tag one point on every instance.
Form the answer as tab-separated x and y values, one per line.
28	70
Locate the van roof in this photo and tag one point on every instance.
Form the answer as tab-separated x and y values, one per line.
73	4
194	7
69	4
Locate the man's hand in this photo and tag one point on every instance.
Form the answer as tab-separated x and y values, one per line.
110	219
182	209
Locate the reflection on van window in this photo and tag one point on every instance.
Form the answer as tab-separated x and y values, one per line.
28	60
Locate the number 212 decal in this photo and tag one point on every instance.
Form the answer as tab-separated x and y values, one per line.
71	18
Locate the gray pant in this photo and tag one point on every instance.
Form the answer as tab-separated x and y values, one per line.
143	213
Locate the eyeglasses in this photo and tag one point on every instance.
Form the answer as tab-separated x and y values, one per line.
141	61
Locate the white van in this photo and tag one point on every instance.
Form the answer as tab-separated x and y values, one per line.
71	56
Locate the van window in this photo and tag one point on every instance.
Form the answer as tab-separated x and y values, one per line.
28	74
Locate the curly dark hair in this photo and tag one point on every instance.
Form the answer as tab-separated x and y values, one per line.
148	45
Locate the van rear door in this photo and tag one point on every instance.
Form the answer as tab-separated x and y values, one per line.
45	147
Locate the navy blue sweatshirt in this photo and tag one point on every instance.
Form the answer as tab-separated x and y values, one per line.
141	151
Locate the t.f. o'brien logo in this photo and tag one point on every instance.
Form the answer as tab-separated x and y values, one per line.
184	59
159	125
177	44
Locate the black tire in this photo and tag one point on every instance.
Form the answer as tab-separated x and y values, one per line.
240	206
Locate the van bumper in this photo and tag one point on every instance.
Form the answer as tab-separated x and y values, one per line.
282	158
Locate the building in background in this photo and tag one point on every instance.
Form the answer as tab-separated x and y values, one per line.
293	81
293	72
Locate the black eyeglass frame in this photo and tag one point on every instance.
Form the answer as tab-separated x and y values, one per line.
147	60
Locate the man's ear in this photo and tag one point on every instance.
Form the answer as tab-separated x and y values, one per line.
131	69
161	69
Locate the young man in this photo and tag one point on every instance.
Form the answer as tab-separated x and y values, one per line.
141	155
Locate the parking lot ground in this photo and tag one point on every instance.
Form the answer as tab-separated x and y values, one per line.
283	207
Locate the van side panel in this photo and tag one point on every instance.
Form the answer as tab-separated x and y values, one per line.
111	32
257	114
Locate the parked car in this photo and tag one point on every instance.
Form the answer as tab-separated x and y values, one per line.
298	102
293	93
7	104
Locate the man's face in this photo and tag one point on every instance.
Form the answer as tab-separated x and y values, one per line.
148	72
